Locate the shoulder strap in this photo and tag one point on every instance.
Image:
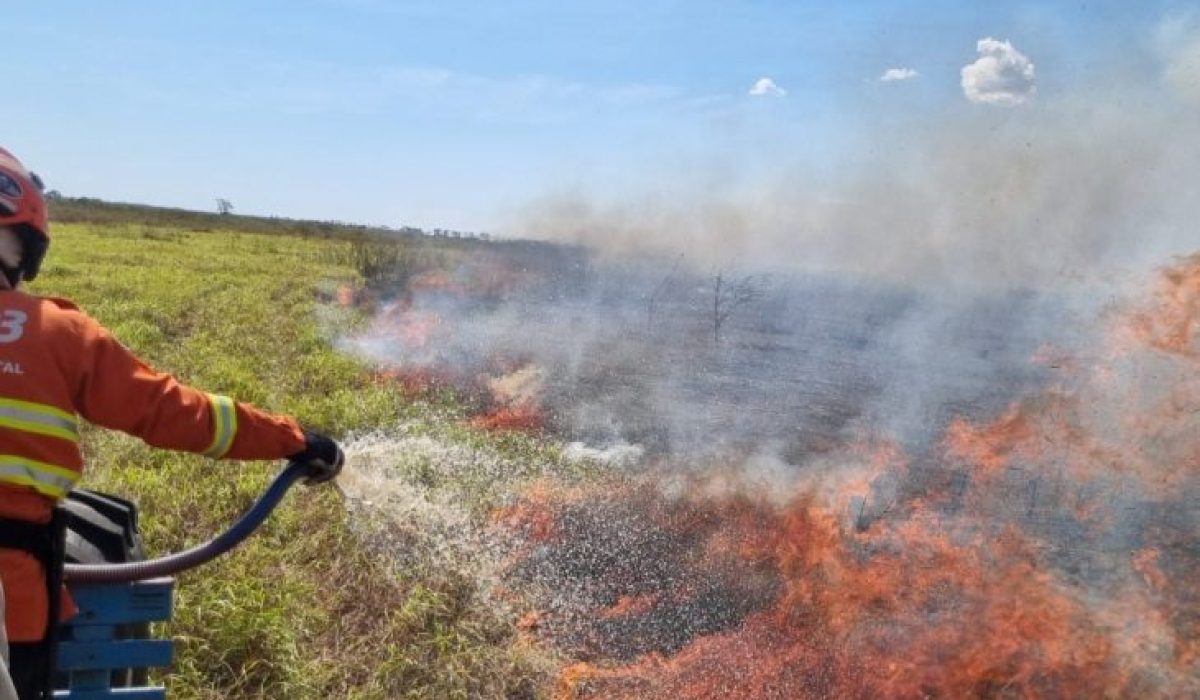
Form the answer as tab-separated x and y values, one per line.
35	538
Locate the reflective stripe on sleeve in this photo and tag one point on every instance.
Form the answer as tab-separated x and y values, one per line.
47	479
38	418
224	425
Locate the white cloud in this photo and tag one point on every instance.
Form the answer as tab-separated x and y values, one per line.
1001	76
894	74
766	86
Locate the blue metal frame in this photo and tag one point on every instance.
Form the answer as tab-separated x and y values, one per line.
91	646
94	644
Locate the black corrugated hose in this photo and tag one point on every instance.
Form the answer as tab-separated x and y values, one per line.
187	559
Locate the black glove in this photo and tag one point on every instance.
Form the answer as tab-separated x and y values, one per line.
321	455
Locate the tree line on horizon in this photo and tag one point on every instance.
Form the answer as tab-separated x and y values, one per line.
93	210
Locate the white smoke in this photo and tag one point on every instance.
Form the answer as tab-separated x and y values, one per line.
1078	187
620	455
1179	43
1054	203
1001	76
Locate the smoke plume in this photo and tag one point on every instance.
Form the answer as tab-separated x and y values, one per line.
1071	189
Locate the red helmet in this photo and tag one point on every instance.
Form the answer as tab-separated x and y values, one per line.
24	210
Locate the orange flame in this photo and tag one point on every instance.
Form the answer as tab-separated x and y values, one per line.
516	401
1172	325
989	447
510	418
913	610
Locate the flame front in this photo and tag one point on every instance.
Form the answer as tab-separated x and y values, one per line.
1046	553
1042	550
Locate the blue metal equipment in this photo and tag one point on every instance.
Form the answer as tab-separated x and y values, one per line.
104	651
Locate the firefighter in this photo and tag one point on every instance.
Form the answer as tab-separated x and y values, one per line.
58	365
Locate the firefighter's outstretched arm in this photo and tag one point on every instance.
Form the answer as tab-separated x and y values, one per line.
118	390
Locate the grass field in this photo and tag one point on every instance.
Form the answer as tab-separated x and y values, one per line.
312	606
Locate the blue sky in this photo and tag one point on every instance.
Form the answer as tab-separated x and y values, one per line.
456	114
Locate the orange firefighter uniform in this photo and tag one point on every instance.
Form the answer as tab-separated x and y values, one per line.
58	365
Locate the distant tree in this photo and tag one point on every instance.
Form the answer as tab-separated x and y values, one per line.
729	293
224	206
53	195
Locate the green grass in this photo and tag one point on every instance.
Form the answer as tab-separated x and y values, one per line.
309	607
